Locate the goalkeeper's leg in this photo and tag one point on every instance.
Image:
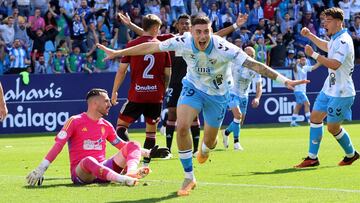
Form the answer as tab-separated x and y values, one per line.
89	170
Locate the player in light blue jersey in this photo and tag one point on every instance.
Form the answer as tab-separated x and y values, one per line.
239	96
300	73
205	87
338	93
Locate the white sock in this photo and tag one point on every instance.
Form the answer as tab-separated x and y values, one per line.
205	149
190	175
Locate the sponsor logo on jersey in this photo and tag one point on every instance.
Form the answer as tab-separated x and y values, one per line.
146	88
84	129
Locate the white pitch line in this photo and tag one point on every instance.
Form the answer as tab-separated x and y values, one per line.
233	185
263	186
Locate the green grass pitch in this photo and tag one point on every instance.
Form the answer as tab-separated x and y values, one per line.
263	172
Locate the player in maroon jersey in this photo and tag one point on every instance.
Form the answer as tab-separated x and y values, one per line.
150	75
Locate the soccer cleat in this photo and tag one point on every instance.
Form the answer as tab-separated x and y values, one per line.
141	172
294	124
201	157
308	162
225	139
348	161
237	146
129	181
187	186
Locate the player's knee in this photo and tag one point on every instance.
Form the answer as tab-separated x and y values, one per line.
172	115
182	130
89	159
237	115
133	145
333	129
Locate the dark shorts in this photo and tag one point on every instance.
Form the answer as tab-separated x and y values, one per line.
173	94
131	111
108	163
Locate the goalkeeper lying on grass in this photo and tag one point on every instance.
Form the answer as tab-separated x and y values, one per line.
86	134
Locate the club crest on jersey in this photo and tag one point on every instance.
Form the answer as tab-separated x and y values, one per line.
103	130
62	135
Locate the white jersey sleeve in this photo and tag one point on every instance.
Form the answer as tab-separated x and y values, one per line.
341	51
232	52
174	44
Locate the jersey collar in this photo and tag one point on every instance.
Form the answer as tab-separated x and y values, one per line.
338	33
207	50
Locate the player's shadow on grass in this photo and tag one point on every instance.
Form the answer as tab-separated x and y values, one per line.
151	200
283	171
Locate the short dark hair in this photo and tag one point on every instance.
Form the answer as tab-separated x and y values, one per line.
149	21
95	92
184	16
334	12
200	20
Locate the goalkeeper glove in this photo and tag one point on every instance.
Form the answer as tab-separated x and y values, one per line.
157	152
37	175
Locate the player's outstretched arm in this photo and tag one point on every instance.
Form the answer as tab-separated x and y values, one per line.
141	49
322	44
241	19
125	19
266	71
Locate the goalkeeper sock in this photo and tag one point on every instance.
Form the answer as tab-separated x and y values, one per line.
132	154
122	132
316	132
149	143
195	132
344	140
170	128
187	164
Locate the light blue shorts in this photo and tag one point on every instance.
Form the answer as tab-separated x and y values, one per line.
300	97
213	107
242	102
338	109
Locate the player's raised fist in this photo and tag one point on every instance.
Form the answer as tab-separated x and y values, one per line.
305	32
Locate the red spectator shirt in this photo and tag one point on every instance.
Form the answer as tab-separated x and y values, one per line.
147	74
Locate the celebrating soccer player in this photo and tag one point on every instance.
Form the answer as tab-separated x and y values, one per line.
239	97
338	93
150	74
205	87
300	72
86	134
178	72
